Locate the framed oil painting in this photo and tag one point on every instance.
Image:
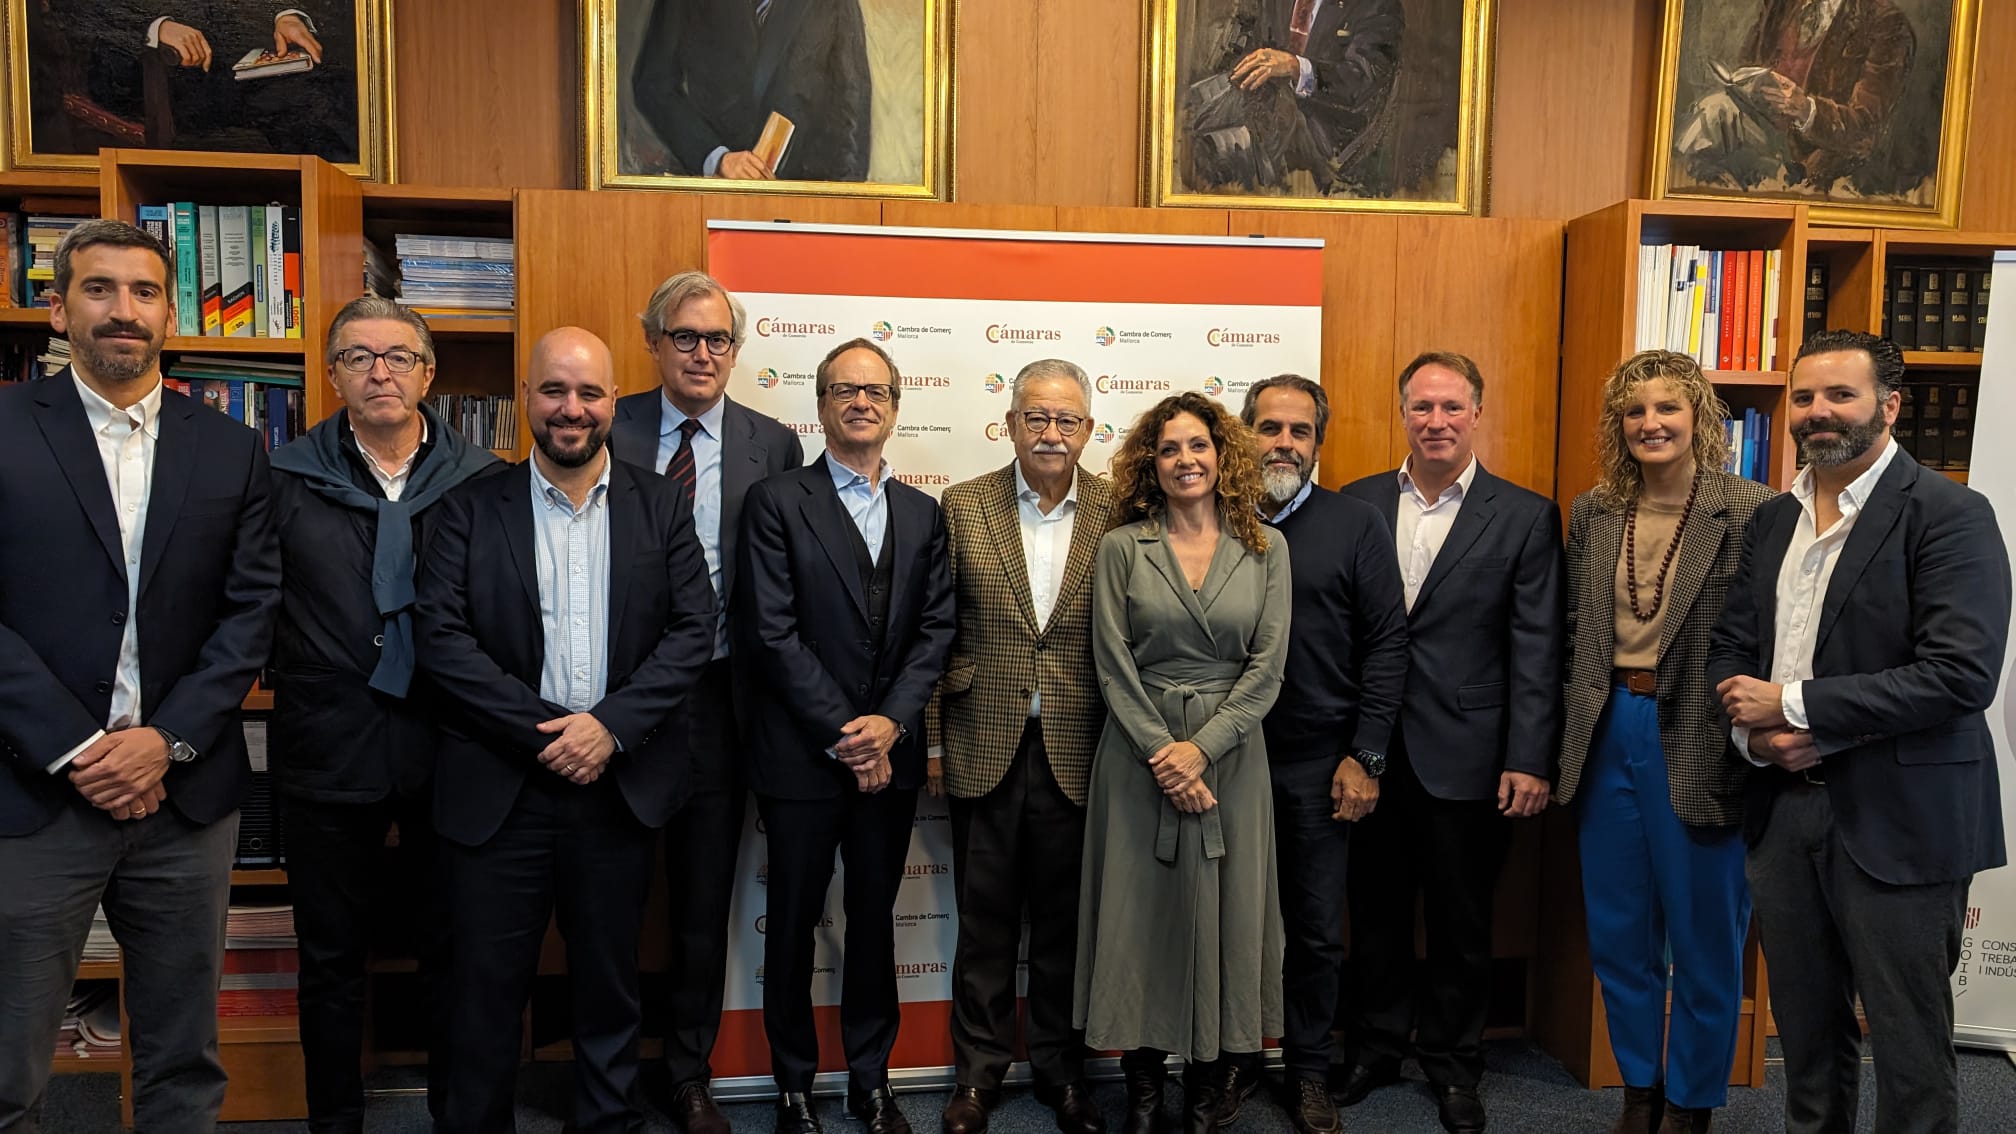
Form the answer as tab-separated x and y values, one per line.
1375	105
281	77
1858	108
848	97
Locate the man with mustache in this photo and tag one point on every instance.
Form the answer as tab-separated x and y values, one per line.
564	614
1328	733
1019	714
843	620
1862	638
141	577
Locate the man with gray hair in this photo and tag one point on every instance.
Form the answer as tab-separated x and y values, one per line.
1017	715
352	750
715	449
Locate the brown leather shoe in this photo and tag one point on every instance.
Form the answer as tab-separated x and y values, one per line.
693	1107
1311	1110
1643	1107
1683	1120
967	1110
1238	1083
1075	1110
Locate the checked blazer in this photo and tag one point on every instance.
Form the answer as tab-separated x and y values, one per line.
1000	656
1706	777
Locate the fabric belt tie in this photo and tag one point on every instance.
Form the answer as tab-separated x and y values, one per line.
1182	701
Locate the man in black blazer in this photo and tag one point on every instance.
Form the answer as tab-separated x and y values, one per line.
140	576
1481	564
711	72
712	450
1861	640
844	614
352	744
564	614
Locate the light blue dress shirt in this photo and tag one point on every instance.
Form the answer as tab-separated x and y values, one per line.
1301	498
867	505
706	492
572	550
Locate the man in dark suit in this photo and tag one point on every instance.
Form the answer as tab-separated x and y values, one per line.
1481	564
711	72
711	449
564	614
137	610
843	620
1861	640
352	748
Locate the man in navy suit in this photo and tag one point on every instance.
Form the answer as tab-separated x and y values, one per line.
137	590
1480	722
1862	638
564	614
844	615
712	449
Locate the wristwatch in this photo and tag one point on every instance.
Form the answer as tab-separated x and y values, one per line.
179	751
1374	763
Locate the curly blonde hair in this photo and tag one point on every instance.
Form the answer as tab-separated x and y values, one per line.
1619	479
1137	491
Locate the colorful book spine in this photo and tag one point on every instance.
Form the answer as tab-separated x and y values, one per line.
188	279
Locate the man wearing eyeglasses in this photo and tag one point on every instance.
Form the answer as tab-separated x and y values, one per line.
1018	714
715	449
351	747
843	620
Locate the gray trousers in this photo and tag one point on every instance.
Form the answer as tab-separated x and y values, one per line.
165	884
1830	930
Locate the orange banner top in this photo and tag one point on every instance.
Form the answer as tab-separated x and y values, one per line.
1058	267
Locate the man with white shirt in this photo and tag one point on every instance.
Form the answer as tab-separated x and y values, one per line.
713	449
1018	715
141	574
1862	638
1480	721
351	743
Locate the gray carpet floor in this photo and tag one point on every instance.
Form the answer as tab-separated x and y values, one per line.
1525	1091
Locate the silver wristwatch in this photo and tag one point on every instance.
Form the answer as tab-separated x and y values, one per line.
179	751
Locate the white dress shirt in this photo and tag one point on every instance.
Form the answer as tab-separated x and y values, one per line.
571	546
1802	589
126	442
706	492
1421	526
393	483
1046	545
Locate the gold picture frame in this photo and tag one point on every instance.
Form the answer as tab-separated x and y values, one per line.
61	112
1417	143
891	135
1721	133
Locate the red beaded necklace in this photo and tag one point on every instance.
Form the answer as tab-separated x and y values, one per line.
1665	564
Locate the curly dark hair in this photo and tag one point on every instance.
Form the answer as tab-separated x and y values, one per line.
1137	491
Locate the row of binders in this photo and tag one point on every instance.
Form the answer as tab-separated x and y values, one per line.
1749	445
1719	306
237	267
1938	306
1935	423
487	420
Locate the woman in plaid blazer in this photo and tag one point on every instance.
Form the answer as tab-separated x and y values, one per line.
1651	551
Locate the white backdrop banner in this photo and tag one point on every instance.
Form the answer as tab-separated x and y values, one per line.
961	312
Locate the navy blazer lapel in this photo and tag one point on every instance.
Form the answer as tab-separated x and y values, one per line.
909	531
634	436
743	459
1771	548
626	524
174	468
514	508
773	37
1472	518
829	523
1871	532
1388	502
60	415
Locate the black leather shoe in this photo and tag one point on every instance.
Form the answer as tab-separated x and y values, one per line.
1350	1083
693	1108
1461	1111
1238	1084
878	1111
1643	1107
1076	1112
967	1111
795	1114
1203	1099
1144	1102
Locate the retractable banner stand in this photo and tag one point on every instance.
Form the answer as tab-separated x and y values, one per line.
960	312
1984	986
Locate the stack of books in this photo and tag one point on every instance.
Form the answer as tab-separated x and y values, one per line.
489	420
237	267
262	964
99	944
28	256
90	1022
457	275
1749	445
264	395
1935	423
1720	306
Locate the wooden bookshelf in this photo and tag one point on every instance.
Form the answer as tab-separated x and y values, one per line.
27	318
1770	379
471	327
1933	359
275	876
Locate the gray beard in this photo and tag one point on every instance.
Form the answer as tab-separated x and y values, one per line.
1282	482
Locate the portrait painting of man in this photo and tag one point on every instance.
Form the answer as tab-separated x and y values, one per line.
284	77
746	93
1323	103
1842	103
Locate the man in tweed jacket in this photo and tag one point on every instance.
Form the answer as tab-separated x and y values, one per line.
1017	716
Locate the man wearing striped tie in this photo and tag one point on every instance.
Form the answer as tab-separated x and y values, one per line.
715	449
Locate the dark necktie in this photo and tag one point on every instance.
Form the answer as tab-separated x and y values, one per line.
680	467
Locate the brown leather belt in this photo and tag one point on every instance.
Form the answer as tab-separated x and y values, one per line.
1644	682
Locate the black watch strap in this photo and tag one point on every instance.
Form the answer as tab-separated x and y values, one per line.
1374	763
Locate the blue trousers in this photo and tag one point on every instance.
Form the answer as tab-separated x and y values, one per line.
1651	882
